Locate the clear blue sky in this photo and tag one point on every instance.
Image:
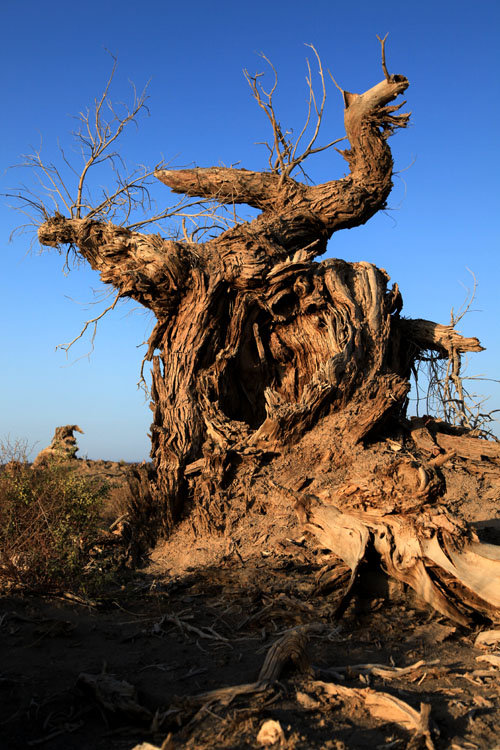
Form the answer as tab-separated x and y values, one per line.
444	209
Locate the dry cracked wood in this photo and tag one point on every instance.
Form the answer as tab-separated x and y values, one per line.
385	707
416	542
255	342
431	436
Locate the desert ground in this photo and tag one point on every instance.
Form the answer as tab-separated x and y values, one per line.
231	641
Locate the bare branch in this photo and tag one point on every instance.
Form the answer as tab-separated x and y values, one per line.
446	395
471	294
129	203
384	66
319	115
267	106
284	156
92	322
101	134
308	117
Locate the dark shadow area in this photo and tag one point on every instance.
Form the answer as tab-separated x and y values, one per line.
488	530
161	643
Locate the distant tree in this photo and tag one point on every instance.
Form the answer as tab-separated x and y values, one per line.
260	352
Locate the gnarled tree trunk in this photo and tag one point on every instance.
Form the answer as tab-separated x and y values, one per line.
257	344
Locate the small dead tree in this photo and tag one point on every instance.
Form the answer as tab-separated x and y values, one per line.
63	447
261	354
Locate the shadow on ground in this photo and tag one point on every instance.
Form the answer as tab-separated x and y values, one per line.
164	641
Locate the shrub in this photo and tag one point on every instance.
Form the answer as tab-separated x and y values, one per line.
49	525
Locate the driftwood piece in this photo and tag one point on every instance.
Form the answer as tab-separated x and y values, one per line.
226	695
490	658
384	707
487	638
429	435
384	671
289	648
167	744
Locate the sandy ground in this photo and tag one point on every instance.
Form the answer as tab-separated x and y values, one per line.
204	614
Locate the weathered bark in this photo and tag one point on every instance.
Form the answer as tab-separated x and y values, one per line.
255	341
62	448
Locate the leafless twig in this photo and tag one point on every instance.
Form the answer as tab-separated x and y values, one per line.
74	188
92	322
284	154
384	66
71	189
446	395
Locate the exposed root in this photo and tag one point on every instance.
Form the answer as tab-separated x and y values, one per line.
439	557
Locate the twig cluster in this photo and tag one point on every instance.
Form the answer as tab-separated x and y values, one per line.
446	395
71	188
284	154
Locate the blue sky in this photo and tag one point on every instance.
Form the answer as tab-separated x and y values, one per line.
442	217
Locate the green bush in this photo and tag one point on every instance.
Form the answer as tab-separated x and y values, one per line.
50	524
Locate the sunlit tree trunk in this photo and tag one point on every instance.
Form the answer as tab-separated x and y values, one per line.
257	346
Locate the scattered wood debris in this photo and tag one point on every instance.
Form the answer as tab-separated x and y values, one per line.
491	658
487	638
384	671
270	733
289	648
385	707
